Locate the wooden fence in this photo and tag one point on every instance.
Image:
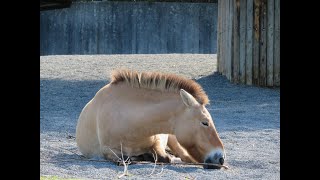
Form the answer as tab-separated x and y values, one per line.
249	41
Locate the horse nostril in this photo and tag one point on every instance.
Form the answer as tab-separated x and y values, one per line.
221	161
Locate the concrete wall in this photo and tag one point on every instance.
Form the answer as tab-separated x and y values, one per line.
129	28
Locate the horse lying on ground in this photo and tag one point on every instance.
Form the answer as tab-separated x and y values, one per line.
139	113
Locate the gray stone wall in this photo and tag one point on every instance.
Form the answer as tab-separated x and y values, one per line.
129	28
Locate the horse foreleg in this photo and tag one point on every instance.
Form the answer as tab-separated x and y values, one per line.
178	150
157	153
159	146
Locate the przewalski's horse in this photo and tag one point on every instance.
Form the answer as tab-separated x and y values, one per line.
145	112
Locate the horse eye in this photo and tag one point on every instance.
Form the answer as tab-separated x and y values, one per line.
205	123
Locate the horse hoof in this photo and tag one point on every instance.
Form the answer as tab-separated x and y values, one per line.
175	160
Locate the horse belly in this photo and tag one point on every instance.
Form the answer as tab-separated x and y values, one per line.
138	147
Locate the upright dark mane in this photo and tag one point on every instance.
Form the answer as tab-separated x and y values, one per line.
160	81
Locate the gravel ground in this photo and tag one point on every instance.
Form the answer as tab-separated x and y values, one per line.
247	118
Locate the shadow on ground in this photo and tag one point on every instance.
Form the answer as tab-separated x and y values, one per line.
66	160
233	107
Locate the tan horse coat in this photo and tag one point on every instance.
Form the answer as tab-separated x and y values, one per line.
139	112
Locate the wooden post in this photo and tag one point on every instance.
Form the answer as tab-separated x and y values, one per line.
249	42
270	42
219	38
256	42
223	39
263	43
276	51
243	32
236	42
228	41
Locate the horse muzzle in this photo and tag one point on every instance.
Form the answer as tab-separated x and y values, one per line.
216	159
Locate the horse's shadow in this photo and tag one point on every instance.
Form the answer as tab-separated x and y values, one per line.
65	160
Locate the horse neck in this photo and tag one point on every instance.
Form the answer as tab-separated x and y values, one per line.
160	112
165	114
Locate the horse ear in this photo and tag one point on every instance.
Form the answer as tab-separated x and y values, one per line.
187	98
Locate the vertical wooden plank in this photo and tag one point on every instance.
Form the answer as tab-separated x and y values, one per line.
270	42
225	35
236	42
222	35
242	48
219	37
227	53
249	42
225	38
231	39
276	60
256	42
263	43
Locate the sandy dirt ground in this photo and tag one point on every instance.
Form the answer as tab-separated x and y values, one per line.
246	117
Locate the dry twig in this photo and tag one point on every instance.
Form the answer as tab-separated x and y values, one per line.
125	170
155	162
